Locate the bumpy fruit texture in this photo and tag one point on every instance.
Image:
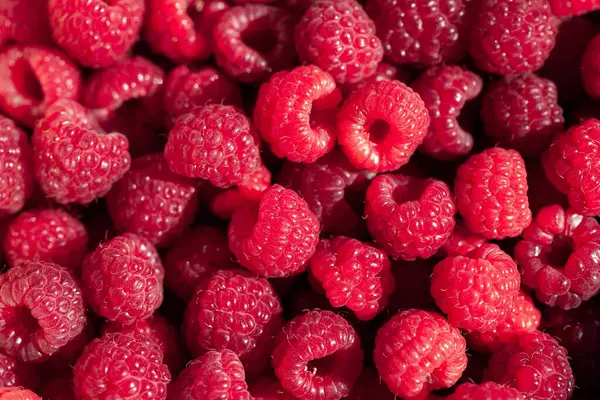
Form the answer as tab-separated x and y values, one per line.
485	391
17	393
461	241
16	172
569	8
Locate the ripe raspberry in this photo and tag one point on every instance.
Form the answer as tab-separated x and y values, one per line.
445	90
215	142
533	29
122	279
152	201
121	366
46	235
285	116
418	351
94	32
25	22
339	37
63	360
187	88
569	8
41	309
17	393
33	77
558	257
215	375
15	373
253	41
381	125
384	72
461	241
74	163
16	175
318	356
277	237
485	391
269	388
491	193
409	217
536	365
477	290
369	386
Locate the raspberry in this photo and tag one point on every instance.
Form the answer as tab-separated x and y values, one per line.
409	217
122	279
533	30
570	8
268	388
317	356
215	375
94	32
12	393
418	351
477	290
523	113
194	258
485	391
187	88
121	366
41	309
234	310
15	373
536	365
74	163
339	37
63	360
445	90
33	78
381	125
491	193
293	113
253	41
152	201
16	175
215	142
461	241
25	21
369	386
558	257
277	237
384	72
46	235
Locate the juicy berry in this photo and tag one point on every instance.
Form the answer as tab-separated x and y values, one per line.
16	175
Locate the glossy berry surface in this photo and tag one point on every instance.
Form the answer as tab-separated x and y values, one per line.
16	172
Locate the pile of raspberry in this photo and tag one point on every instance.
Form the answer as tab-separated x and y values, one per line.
299	199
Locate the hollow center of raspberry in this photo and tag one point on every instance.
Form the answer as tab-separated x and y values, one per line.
321	366
410	190
260	38
26	82
21	321
557	254
378	131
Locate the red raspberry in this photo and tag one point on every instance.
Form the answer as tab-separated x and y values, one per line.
121	366
418	351
215	142
409	217
188	88
339	37
46	235
74	163
63	360
533	30
277	237
384	72
461	241
558	257
485	391
491	193
234	310
122	279
152	201
381	125
15	373
285	116
41	309
536	365
215	375
16	175
477	290
253	41
369	386
269	388
33	77
318	356
13	393
25	21
523	113
94	32
569	8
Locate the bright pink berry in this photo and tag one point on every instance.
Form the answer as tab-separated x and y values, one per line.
41	309
123	279
294	112
384	72
339	37
25	22
63	360
94	32
418	351
121	366
461	241
491	193
485	391
15	373
17	393
381	125
269	388
318	356
16	169
569	8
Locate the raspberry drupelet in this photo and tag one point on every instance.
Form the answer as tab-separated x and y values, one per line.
558	257
16	172
381	125
485	391
461	241
418	351
25	22
409	217
571	8
41	310
445	90
491	193
17	393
